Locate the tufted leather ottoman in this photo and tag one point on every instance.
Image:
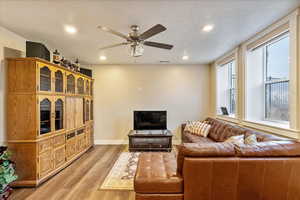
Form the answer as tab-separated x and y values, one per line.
156	177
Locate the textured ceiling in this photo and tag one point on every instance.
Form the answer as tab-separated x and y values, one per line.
234	21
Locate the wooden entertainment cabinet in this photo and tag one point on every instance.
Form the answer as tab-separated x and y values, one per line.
49	116
150	141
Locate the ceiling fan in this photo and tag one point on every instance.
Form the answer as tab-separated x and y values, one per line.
137	40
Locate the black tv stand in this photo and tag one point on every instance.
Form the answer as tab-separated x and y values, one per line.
151	132
150	140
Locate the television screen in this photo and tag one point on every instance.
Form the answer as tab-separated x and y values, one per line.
150	120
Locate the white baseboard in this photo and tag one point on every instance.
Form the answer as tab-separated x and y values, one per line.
111	141
3	143
176	142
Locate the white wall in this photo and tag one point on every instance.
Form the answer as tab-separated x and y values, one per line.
255	86
182	90
10	45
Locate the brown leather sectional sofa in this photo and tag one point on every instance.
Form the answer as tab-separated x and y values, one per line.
209	169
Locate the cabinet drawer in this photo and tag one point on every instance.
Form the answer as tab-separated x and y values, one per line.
59	141
59	156
44	145
45	163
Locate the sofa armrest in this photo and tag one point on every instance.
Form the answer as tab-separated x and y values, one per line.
203	150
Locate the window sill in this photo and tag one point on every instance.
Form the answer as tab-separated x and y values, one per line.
229	118
282	125
282	129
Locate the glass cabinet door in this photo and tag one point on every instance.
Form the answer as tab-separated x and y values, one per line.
59	114
92	110
87	111
80	85
45	79
87	87
59	81
92	87
71	84
84	110
45	116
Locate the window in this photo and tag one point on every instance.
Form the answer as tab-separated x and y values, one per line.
277	80
268	81
226	89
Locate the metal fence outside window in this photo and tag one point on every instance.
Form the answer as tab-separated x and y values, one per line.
277	100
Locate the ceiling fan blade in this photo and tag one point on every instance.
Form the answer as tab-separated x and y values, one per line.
158	45
103	28
152	31
114	45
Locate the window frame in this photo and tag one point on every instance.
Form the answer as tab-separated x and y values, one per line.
264	120
265	72
232	58
233	83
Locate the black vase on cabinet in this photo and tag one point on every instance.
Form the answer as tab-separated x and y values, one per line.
38	50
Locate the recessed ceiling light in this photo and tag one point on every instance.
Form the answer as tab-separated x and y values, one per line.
70	29
208	28
185	57
102	57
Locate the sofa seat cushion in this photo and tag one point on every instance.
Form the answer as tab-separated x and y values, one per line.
156	174
192	138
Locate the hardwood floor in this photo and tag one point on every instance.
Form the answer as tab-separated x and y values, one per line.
80	180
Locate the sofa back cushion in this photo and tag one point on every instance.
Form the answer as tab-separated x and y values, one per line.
203	150
221	131
264	137
269	149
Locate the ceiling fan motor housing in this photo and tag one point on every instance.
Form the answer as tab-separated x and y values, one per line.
135	28
134	35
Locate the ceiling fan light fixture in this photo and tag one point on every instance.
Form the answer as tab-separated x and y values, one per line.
136	50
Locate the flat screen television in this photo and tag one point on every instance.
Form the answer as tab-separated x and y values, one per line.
150	120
